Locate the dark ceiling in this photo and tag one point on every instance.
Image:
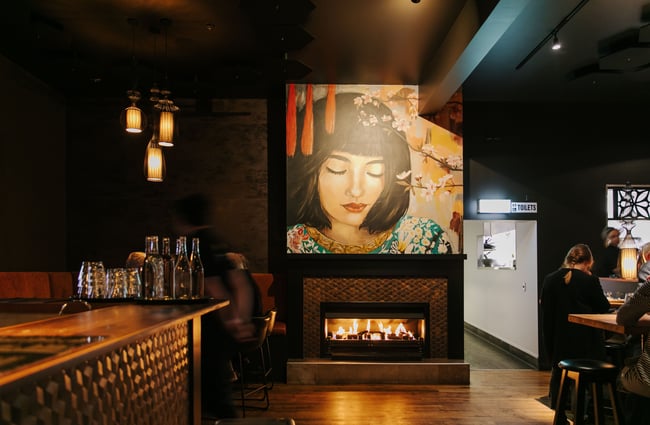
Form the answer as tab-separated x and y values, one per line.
212	48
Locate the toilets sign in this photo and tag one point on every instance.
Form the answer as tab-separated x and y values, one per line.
523	207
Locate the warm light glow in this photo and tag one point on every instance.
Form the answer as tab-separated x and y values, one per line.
374	329
629	263
556	43
133	119
154	162
166	132
628	254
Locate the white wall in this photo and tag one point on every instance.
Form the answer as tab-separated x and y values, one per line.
503	303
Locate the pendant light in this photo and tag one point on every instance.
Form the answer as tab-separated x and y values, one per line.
165	106
166	124
133	120
155	168
629	254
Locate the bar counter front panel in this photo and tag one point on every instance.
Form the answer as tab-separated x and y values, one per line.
127	364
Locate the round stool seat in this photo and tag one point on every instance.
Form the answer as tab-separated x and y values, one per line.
594	368
587	373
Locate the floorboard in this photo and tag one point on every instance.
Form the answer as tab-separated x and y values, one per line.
503	390
493	397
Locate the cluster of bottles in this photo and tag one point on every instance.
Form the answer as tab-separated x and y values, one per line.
172	276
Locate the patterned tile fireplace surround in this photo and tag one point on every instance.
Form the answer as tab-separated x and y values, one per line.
440	289
328	289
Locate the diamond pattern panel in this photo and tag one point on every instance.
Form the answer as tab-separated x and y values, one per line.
145	382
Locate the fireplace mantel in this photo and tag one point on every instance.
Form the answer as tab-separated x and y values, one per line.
390	269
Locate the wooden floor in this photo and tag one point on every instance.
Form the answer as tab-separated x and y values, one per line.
503	390
493	397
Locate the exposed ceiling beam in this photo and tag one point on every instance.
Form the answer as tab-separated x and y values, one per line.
435	90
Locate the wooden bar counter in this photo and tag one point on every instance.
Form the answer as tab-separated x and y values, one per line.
128	364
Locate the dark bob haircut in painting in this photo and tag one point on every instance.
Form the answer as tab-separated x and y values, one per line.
352	134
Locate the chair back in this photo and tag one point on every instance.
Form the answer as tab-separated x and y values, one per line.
261	329
272	314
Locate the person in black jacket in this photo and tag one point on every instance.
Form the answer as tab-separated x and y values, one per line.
571	289
226	277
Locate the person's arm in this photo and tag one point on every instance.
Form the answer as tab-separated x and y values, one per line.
598	300
635	306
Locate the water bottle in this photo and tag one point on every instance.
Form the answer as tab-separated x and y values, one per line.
153	270
168	267
182	271
198	273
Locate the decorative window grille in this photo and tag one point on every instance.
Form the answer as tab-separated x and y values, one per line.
628	202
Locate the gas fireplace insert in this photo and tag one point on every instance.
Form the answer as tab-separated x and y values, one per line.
374	330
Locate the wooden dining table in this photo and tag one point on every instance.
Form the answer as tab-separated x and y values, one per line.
607	322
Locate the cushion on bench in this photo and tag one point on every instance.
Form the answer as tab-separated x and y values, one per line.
272	291
61	284
24	285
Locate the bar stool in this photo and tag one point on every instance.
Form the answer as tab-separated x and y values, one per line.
266	349
252	374
584	373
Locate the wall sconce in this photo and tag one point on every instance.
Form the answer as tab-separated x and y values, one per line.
154	161
494	206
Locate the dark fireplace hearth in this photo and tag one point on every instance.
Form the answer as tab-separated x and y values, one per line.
374	331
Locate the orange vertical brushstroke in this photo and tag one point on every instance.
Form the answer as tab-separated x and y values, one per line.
291	121
307	139
330	109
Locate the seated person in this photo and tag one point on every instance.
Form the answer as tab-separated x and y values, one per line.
644	263
635	375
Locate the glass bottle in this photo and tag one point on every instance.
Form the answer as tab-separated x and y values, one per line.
198	273
168	268
182	271
152	271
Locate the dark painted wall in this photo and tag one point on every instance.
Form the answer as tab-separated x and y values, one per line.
112	207
32	173
560	156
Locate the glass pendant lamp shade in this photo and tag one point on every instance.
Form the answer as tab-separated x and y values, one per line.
166	126
167	129
132	118
628	256
154	161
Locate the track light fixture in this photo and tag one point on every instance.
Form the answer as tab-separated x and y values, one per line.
556	43
553	34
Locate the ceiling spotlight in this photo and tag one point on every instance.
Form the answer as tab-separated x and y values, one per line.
556	43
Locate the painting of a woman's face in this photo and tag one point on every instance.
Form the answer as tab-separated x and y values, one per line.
349	185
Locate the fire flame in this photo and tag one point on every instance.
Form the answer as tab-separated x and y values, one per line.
380	332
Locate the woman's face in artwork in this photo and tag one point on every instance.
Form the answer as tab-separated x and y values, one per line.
349	185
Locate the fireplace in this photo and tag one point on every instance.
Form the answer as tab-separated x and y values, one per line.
318	283
374	331
388	295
